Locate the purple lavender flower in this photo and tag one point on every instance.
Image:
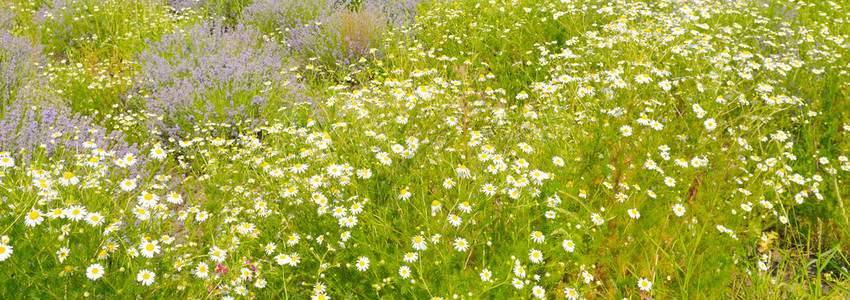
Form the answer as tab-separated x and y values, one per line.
6	18
19	60
34	118
211	73
38	121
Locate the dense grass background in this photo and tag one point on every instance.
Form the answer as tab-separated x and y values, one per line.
700	146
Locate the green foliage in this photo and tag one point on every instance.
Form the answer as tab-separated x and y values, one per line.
494	149
93	44
505	38
227	10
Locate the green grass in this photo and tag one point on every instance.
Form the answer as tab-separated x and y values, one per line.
750	139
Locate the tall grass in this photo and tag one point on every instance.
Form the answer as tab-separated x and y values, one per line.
427	149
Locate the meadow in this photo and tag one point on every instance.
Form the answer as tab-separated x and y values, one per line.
424	149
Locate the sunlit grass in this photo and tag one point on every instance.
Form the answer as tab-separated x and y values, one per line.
488	149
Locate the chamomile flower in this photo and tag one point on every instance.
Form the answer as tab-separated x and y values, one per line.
488	189
356	208
68	179
436	206
33	218
293	239
588	278
201	216
7	162
95	272
158	153
762	265
202	270
597	219
486	275
419	243
5	251
538	237
535	256
149	249
240	290
62	253
404	272
568	245
710	124
538	291
362	264
127	185
294	259
465	207
454	220
145	277
320	297
57	213
217	254
448	183
679	210
558	161
461	244
404	194
298	168
282	259
364	173
320	288
634	213
94	219
626	130
517	283
75	213
644	285
174	198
